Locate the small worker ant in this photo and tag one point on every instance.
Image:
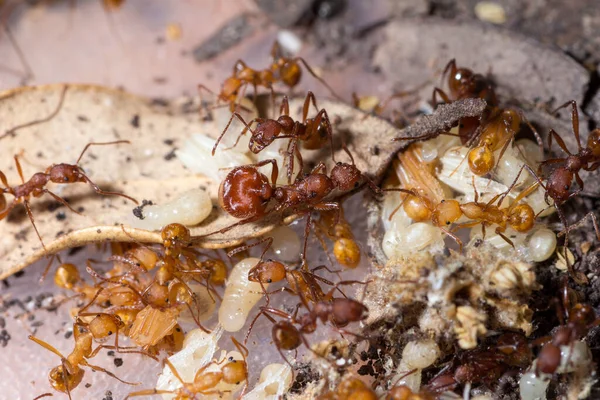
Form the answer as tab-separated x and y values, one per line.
518	216
286	336
57	173
282	69
233	373
69	374
581	318
345	247
313	132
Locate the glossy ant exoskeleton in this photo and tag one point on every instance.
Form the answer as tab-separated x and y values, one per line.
313	132
56	173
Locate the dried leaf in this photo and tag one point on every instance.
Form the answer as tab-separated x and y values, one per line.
145	168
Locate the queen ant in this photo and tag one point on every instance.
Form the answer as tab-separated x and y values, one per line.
313	132
56	173
282	69
233	373
69	374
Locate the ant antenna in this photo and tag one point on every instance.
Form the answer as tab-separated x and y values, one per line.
99	144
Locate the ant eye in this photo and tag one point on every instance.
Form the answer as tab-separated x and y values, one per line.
269	280
66	179
566	187
338	163
447	222
355	184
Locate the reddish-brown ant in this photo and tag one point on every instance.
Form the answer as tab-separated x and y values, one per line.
57	173
313	132
282	69
580	319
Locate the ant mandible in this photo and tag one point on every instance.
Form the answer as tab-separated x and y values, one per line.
313	132
282	69
57	173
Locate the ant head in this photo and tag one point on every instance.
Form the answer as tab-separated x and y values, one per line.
521	218
582	313
290	73
559	184
268	271
157	295
593	142
174	237
66	276
235	371
459	79
286	336
245	192
62	380
264	134
345	177
65	173
446	213
511	119
481	160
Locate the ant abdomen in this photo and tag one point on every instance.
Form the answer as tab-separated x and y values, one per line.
245	192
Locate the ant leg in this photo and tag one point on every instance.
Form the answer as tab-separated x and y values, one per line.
19	169
61	200
310	70
149	392
322	116
581	222
592	167
87	146
559	140
46	345
330	206
247	127
310	97
100	369
43	395
506	239
450	67
284	109
574	120
106	193
249	246
306	233
538	138
30	215
7	210
398	95
453	236
442	94
41	120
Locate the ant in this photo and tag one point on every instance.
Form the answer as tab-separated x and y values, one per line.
345	248
285	334
57	173
581	318
518	216
245	192
313	132
233	373
282	69
69	374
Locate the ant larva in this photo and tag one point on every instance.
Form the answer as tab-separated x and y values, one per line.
56	173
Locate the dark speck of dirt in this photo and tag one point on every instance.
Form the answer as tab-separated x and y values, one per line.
61	216
80	209
19	274
135	121
108	395
88	385
170	155
138	211
168	142
83	118
305	375
118	362
110	353
4	338
68	334
2	323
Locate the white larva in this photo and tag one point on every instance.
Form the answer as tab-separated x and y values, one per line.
420	354
286	244
275	380
542	245
190	208
240	296
198	350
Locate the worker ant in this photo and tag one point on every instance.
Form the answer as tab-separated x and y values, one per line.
518	216
345	247
313	132
282	69
581	318
57	173
69	374
233	372
287	336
